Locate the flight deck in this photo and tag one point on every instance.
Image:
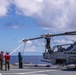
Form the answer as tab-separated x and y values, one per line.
14	70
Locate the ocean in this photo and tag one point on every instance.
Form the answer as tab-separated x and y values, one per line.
28	59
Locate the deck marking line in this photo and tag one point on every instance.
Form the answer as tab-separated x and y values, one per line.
29	72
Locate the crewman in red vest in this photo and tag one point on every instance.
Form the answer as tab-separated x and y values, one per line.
7	61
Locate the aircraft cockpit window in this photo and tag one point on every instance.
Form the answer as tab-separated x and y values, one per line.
70	47
55	49
75	43
60	49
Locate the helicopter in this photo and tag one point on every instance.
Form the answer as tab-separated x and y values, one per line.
58	54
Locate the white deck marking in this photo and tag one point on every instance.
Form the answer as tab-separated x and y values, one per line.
37	74
30	72
0	74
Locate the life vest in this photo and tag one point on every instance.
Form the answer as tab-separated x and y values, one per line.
7	57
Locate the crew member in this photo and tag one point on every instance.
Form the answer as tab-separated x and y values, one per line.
20	60
7	61
1	60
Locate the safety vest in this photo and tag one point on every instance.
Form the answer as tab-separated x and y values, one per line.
7	57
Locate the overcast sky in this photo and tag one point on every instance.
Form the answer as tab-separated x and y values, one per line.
31	18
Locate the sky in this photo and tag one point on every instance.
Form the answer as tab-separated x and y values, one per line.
21	19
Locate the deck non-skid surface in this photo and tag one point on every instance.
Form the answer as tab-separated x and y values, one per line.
38	71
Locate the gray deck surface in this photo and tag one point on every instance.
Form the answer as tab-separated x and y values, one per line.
38	71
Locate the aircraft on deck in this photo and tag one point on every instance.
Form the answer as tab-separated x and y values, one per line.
58	54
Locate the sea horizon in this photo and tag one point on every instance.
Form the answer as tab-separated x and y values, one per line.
28	59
